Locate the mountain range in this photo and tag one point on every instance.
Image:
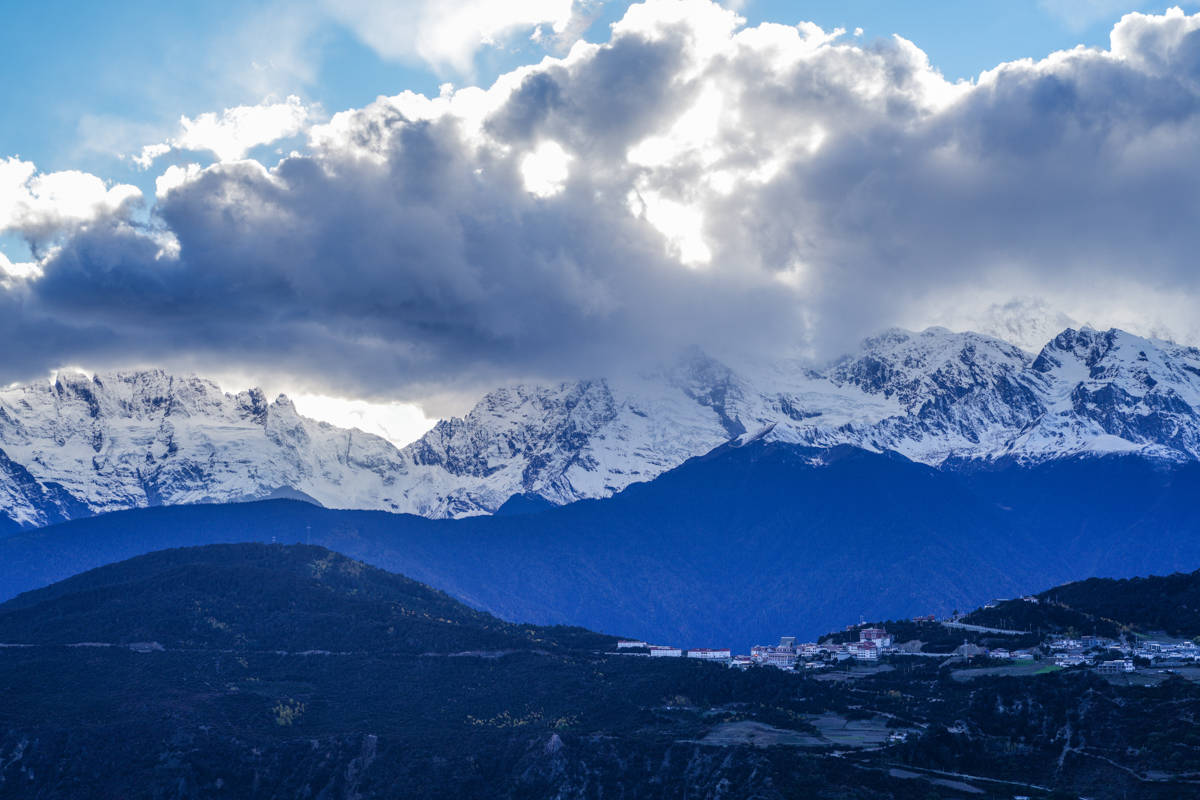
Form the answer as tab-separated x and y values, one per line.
960	402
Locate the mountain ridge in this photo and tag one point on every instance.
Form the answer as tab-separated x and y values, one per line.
81	445
209	597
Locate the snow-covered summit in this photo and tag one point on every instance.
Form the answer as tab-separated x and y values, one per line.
130	439
1111	391
86	445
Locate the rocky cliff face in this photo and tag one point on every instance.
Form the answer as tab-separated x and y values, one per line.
959	394
88	445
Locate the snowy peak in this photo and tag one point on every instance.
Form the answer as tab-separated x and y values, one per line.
1111	391
1085	346
562	442
1114	356
544	422
936	397
137	395
927	367
711	384
958	393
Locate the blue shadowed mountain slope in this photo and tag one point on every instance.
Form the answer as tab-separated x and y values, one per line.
737	546
1109	517
523	503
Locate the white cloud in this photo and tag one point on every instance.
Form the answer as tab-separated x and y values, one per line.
707	27
13	272
545	170
681	224
1153	42
40	205
446	35
174	177
150	153
231	134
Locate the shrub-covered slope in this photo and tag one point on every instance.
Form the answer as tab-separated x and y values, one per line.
1106	606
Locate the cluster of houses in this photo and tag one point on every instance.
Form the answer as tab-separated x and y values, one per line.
875	642
666	651
788	654
1073	652
1000	653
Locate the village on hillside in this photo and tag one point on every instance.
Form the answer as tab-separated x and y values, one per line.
870	643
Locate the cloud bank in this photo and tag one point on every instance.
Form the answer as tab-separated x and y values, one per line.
692	180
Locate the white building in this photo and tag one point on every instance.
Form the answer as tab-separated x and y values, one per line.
877	636
863	651
624	643
780	660
710	654
782	657
662	651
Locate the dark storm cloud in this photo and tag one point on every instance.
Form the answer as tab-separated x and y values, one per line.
816	190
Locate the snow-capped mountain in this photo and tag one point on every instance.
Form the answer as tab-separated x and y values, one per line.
89	445
86	445
1114	392
936	397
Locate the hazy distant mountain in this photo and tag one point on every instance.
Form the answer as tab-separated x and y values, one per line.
81	446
